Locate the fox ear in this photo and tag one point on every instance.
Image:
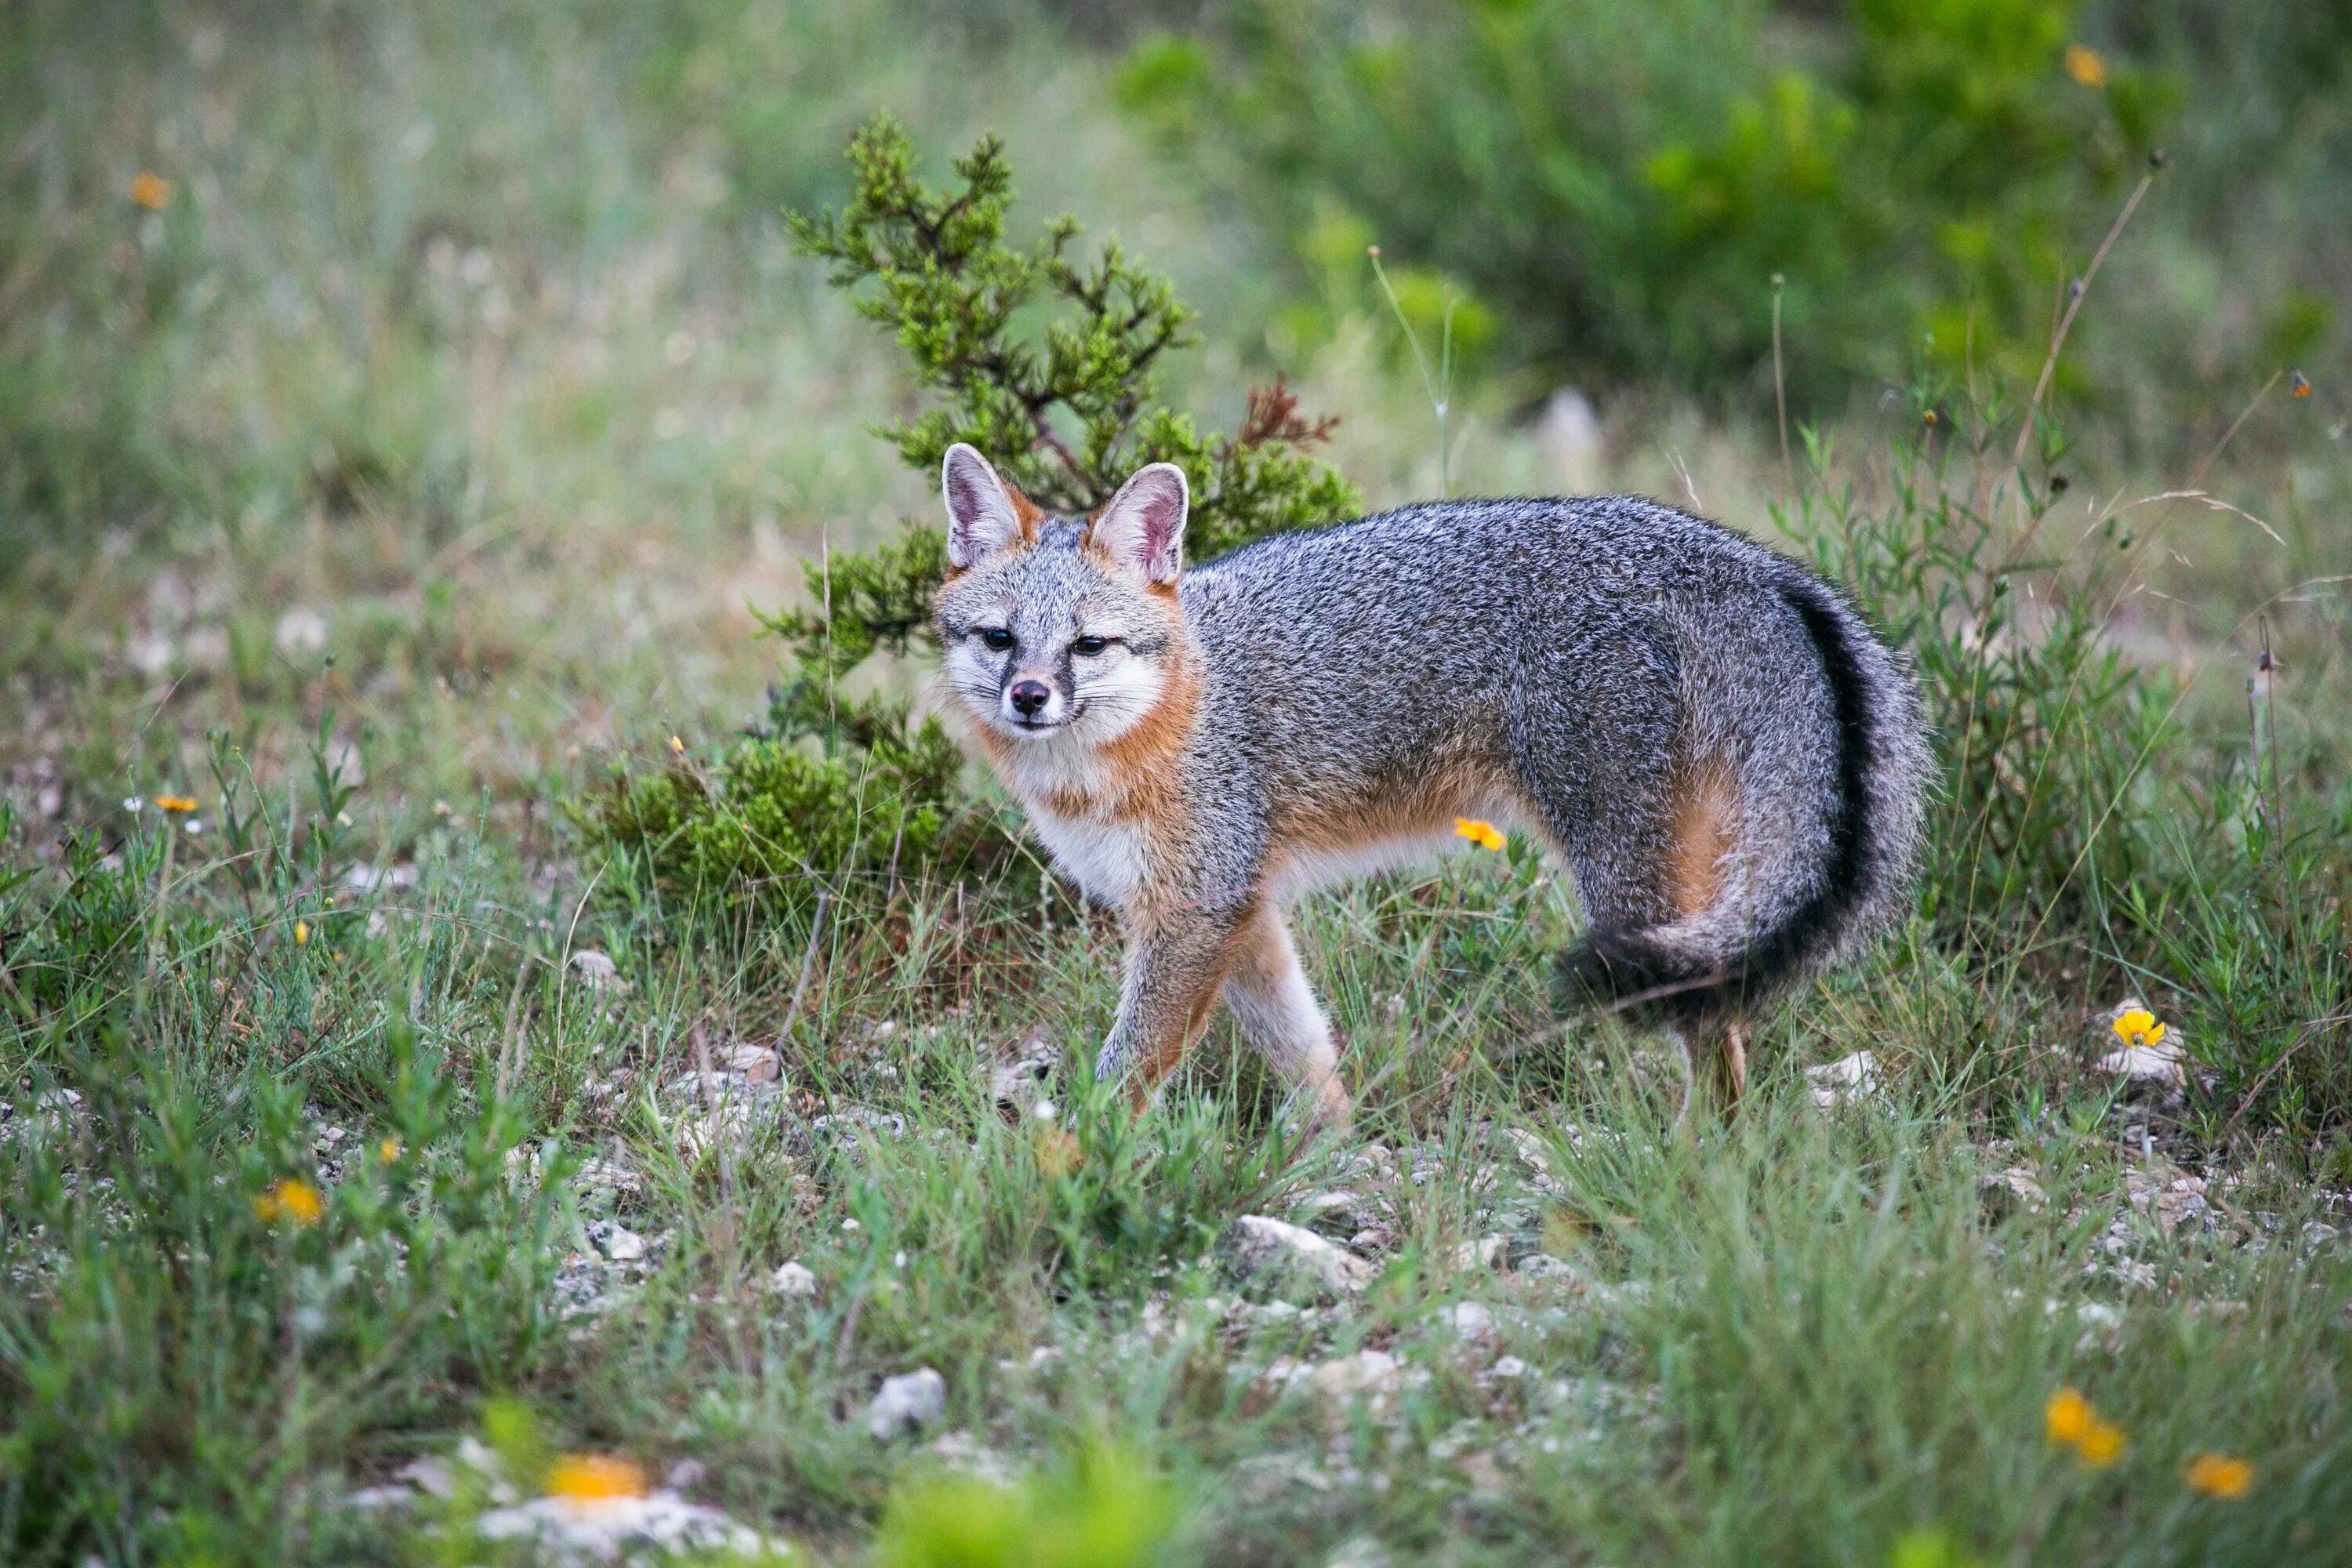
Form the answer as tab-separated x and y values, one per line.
982	516
1142	528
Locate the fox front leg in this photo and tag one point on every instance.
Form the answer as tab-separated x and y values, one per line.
1267	990
1176	962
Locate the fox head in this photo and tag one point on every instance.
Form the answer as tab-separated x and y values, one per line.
1055	630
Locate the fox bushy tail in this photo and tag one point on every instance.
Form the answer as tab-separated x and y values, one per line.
1732	958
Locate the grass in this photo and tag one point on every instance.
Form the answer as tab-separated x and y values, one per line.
386	485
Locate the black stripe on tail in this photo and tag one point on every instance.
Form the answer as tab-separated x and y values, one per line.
1628	971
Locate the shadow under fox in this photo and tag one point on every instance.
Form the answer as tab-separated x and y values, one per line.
1731	763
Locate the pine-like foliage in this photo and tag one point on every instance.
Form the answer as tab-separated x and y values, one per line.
1050	365
1066	410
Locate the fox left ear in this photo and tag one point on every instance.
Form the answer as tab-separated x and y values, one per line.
1142	528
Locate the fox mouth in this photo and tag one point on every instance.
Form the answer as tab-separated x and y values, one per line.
1027	725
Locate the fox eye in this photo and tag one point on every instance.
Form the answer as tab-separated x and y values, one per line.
996	637
1089	646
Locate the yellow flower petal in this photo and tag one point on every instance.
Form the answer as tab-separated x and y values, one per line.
292	1199
1483	834
2086	66
2217	1475
389	1150
301	933
2068	1416
2102	1445
152	191
594	1478
180	805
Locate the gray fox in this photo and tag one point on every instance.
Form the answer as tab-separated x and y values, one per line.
1731	763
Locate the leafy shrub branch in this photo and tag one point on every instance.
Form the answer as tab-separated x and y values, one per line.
1049	362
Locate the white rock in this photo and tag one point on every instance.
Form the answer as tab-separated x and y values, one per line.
1848	1077
2159	1063
2013	1189
794	1278
1486	1252
596	968
1372	1373
1530	1150
1468	1320
962	1453
624	1245
1016	1081
753	1064
907	1403
1510	1366
430	1474
1289	1260
570	1531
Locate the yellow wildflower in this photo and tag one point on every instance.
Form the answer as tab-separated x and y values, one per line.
2086	66
2137	1026
389	1150
2068	1416
178	805
676	746
292	1199
152	191
2217	1475
594	1478
2102	1445
1483	834
301	933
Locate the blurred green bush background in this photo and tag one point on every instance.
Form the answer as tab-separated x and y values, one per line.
1622	181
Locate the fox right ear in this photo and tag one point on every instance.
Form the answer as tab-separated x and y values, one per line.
983	517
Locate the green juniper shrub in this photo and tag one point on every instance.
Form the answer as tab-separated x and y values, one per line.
1050	365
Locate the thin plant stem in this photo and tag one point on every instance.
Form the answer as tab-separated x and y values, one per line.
2058	342
1780	392
1433	387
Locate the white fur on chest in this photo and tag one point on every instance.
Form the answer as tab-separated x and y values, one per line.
1106	859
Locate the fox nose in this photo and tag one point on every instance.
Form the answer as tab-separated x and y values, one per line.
1029	697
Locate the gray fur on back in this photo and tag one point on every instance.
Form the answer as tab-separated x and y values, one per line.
1583	646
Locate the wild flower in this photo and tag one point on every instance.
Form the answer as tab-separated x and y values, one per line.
1484	834
177	804
594	1478
676	746
2138	1027
301	933
2220	1476
294	1200
2086	66
2298	385
388	1150
2069	1421
151	189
